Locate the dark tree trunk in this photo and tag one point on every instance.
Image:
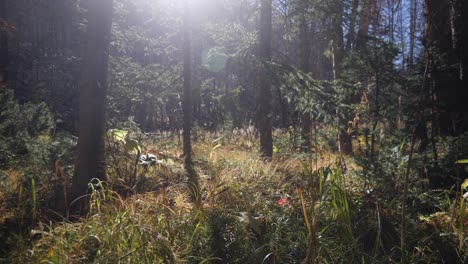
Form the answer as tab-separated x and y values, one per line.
365	18
4	35
187	101
304	49
413	19
352	25
93	85
187	105
445	41
263	112
344	138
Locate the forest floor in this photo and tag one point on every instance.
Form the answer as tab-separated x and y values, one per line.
320	207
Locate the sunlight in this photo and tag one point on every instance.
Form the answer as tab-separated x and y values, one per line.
199	9
221	131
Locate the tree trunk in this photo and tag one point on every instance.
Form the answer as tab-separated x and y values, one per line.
187	104
4	32
364	23
445	40
263	112
93	85
304	49
352	25
413	19
344	138
187	101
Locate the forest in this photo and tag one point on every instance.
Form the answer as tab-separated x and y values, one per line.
234	131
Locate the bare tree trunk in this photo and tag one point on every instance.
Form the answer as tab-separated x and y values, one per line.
352	25
187	104
4	32
344	138
187	101
93	86
364	23
413	19
445	39
402	35
263	112
304	49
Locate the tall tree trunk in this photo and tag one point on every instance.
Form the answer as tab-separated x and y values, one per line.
459	29
93	86
365	18
187	103
459	18
263	111
464	42
304	49
413	19
4	32
445	42
352	25
344	138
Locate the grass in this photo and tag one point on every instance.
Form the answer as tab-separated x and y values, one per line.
297	208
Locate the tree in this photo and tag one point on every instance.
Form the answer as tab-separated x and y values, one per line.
263	111
352	25
365	18
412	36
4	32
344	138
187	102
446	48
304	49
93	86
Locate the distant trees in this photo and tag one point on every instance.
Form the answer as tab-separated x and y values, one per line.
93	87
264	100
329	40
39	46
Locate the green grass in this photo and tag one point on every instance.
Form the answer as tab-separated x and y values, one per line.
294	208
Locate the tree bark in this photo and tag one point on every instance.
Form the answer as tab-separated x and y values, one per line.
4	32
352	25
93	86
187	101
364	23
446	45
187	105
263	112
344	138
413	19
304	49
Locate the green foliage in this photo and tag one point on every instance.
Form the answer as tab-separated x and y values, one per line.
24	130
310	96
29	146
230	241
215	59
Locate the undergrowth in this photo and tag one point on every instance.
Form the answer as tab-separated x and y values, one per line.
318	208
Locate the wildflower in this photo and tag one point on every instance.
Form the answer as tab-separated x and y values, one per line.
281	201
